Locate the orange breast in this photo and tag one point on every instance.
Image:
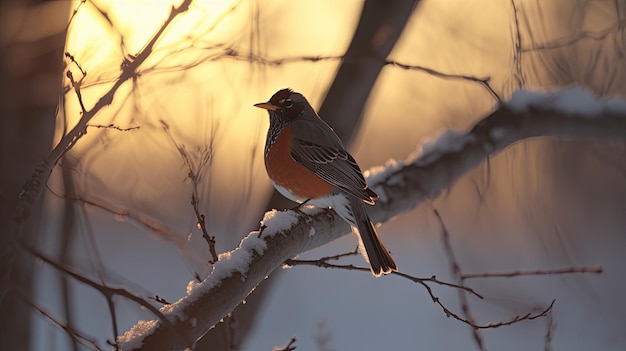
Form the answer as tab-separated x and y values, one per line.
287	173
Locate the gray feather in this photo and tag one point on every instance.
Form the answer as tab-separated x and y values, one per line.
317	147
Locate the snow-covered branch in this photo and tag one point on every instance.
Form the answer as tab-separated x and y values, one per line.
402	185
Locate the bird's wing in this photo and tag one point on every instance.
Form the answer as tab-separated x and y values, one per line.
317	147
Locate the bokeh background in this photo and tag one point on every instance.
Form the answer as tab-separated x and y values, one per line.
387	76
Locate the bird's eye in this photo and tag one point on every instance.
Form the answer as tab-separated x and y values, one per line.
286	102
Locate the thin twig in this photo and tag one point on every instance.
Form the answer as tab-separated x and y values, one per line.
74	13
289	347
193	173
31	191
323	263
569	40
72	332
103	289
456	271
550	326
68	234
210	239
75	62
160	300
517	47
527	317
76	86
421	281
482	81
464	302
564	270
113	126
234	54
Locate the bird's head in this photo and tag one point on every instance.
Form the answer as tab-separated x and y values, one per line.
285	103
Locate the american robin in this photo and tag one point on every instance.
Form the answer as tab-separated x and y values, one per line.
306	162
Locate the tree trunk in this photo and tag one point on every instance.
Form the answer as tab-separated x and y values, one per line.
31	66
379	28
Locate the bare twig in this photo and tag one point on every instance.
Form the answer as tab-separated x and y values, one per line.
76	86
234	54
74	13
33	188
194	174
403	184
354	252
160	300
422	281
550	326
106	291
517	47
73	60
573	39
527	317
289	347
150	223
449	313
113	126
210	239
68	234
323	263
465	307
72	332
456	271
484	82
559	271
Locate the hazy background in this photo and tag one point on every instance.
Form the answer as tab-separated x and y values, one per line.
541	204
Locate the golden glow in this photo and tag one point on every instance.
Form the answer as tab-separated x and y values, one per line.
201	82
220	57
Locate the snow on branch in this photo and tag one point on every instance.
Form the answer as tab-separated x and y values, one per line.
571	113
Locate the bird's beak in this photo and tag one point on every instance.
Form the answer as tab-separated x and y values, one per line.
267	106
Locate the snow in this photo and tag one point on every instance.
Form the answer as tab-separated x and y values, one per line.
432	148
252	243
191	285
275	221
383	174
449	140
230	262
132	338
576	101
378	174
573	101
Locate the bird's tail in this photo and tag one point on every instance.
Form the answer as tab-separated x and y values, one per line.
380	260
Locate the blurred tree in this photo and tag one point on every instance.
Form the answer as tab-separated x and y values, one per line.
138	177
380	25
31	66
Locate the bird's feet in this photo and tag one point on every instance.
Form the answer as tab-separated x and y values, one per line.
297	208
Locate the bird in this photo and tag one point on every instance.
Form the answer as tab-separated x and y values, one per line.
307	163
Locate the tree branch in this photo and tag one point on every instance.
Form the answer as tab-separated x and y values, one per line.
33	188
402	185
